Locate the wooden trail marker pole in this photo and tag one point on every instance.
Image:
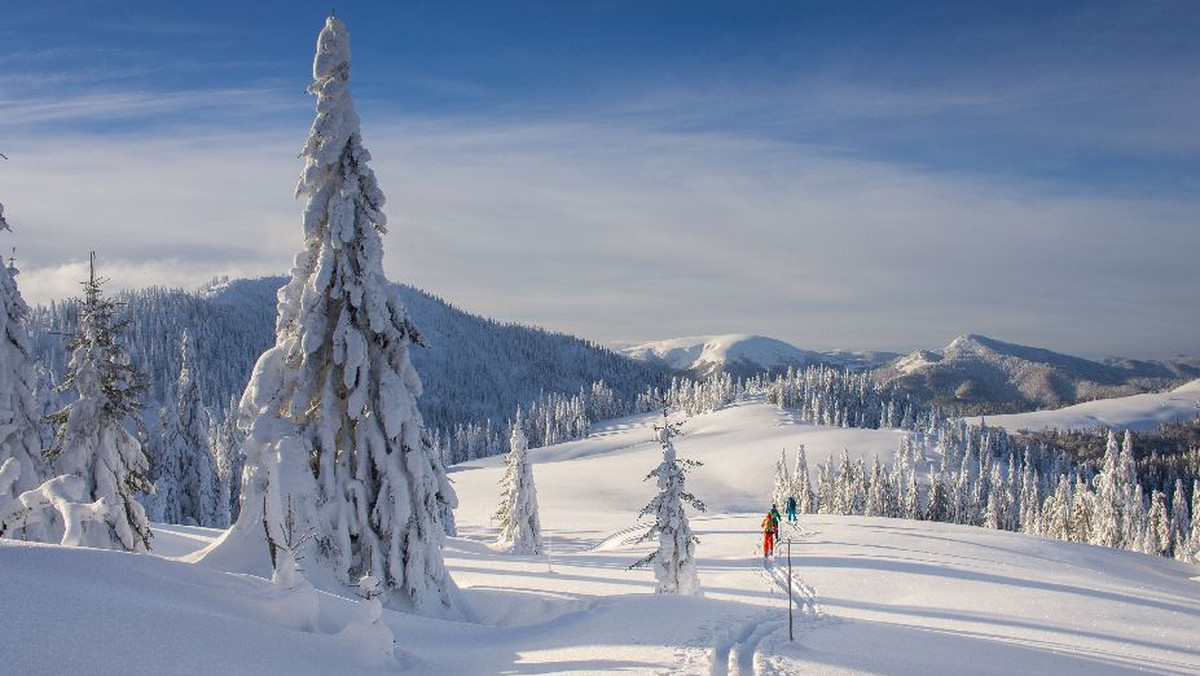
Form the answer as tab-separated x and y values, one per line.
791	631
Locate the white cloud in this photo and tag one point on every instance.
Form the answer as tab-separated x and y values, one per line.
616	231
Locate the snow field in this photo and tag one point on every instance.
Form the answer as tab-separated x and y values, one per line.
1140	412
874	596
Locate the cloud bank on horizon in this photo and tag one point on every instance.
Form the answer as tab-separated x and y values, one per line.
863	175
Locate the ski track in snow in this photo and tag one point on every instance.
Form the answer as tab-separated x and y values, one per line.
737	642
625	536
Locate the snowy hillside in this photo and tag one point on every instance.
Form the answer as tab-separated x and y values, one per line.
982	373
1139	412
743	354
473	368
876	596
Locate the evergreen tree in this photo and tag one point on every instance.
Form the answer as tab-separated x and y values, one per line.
188	432
20	418
939	507
1180	523
334	433
520	527
1030	500
675	559
912	496
226	441
879	499
1057	513
93	440
826	490
1192	546
783	482
801	487
1108	530
1158	528
1083	513
997	502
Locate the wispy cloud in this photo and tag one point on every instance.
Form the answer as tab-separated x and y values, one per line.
621	231
196	107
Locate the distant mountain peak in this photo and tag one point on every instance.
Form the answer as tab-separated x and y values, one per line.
979	372
744	354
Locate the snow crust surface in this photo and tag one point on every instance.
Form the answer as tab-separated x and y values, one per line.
874	596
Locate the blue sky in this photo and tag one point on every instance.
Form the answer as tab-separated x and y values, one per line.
835	174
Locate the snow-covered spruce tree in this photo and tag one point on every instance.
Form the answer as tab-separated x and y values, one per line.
93	437
331	409
520	527
187	433
1108	527
782	486
1192	545
801	486
675	559
20	435
1157	538
1180	522
168	458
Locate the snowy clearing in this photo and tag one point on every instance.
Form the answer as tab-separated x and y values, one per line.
874	596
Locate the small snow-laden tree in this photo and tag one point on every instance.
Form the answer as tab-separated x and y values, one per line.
1132	500
336	397
20	418
997	501
904	461
782	486
520	526
802	488
911	506
1029	498
675	558
826	488
166	466
1192	545
1180	522
938	507
223	466
94	441
186	434
879	499
1157	538
1083	512
1137	522
1056	513
1108	529
226	442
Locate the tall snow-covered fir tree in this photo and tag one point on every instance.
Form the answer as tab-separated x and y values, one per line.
675	559
20	418
94	441
520	526
336	446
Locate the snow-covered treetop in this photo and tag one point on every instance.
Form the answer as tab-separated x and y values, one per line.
3	223
335	131
333	51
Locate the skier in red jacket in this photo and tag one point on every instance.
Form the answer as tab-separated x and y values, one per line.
770	528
